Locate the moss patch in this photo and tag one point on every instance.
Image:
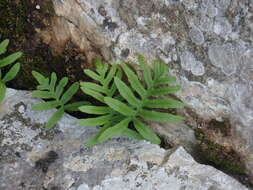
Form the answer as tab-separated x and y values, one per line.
218	156
19	22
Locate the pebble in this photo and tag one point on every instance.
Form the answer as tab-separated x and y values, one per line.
38	7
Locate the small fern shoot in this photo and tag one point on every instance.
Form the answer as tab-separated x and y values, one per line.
133	104
11	74
49	89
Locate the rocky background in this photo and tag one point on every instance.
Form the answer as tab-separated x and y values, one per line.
208	45
35	159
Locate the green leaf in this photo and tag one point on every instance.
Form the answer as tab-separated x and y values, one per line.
110	75
93	122
147	133
93	86
101	68
2	91
93	94
52	82
92	74
75	106
114	87
132	134
164	90
69	93
10	59
46	105
119	106
160	117
39	77
163	103
3	46
55	118
12	73
165	80
134	81
60	87
94	140
44	86
115	130
95	109
43	94
160	69
126	93
146	71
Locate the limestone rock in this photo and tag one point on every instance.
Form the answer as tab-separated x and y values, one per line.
209	43
32	158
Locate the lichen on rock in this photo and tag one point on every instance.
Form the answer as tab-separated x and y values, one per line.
62	162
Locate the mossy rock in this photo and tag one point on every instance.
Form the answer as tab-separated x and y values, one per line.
19	22
218	156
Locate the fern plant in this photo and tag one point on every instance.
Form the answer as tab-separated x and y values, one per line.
49	89
133	104
11	74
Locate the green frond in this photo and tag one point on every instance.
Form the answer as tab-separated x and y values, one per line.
119	106
55	118
95	109
92	74
94	140
60	87
98	96
110	75
165	80
159	116
2	91
93	122
160	69
69	93
164	90
10	59
132	134
93	86
43	94
75	106
115	130
164	103
46	105
147	133
3	46
48	88
122	102
146	71
11	74
134	81
52	82
39	77
126	93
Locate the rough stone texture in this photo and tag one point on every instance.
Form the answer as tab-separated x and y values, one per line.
32	158
207	42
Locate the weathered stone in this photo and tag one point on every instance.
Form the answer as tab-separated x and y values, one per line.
214	68
32	158
215	73
196	36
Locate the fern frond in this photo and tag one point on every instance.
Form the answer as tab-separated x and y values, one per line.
11	74
134	81
104	76
133	102
48	88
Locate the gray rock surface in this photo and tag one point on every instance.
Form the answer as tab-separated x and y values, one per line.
32	158
208	43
